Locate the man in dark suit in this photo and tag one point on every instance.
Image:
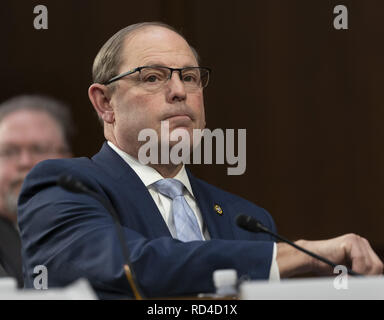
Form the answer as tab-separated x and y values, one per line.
178	229
32	128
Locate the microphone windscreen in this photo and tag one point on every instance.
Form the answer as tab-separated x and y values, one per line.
70	183
247	223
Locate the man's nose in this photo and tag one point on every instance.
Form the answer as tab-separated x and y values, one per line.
176	88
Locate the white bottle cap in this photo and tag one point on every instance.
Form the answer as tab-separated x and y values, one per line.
224	278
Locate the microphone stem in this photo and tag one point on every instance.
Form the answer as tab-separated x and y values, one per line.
129	276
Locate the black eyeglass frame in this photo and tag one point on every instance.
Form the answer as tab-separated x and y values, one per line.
138	69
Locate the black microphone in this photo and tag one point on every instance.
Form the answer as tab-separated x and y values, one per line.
253	225
72	184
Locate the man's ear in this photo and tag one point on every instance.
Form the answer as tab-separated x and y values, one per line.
100	98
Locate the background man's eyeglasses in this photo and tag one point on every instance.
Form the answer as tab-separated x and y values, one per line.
12	153
153	78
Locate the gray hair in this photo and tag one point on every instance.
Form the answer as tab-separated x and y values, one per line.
108	60
56	109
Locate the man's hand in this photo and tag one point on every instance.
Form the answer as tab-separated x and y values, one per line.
350	250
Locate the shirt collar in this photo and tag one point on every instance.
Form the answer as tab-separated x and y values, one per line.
149	175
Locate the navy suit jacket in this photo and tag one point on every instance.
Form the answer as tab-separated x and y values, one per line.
74	236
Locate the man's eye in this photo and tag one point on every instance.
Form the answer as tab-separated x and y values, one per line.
151	78
9	152
39	150
190	78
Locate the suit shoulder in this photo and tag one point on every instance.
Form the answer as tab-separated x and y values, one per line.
46	173
58	165
81	168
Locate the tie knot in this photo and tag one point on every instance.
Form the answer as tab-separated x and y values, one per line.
170	187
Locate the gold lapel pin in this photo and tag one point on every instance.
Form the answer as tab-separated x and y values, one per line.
218	209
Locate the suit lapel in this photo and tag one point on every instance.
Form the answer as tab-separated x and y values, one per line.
140	210
214	210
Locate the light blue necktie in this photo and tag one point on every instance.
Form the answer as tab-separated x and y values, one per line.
187	227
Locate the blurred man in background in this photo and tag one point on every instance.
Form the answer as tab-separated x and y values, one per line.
32	128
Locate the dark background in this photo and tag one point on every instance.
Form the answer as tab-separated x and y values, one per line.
311	97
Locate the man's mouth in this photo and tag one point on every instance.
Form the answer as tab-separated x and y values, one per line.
16	185
178	113
178	117
179	120
175	115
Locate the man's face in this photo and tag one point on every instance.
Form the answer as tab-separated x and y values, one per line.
136	109
26	138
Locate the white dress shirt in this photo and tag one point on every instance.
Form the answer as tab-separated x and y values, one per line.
149	176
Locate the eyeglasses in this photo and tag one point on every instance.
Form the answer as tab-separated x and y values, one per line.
12	153
153	78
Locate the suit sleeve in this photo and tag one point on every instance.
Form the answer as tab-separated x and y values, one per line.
75	237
